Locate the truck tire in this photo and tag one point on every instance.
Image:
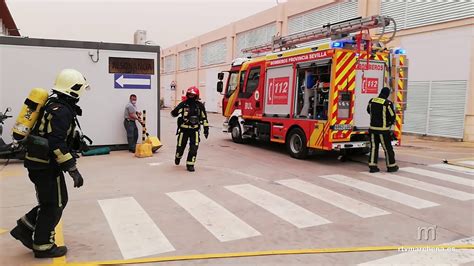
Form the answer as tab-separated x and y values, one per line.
296	144
236	133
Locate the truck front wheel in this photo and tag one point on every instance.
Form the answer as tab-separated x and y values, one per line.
296	144
236	132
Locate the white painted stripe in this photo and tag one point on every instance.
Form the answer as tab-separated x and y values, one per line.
224	225
454	168
349	204
135	232
286	210
155	164
443	191
467	162
386	193
431	257
441	176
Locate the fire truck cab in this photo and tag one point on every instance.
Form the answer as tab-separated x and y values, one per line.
314	98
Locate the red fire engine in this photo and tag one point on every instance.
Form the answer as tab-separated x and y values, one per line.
315	97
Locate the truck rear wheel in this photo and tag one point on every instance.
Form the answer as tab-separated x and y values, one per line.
296	144
236	133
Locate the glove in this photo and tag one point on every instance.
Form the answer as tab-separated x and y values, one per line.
77	177
206	132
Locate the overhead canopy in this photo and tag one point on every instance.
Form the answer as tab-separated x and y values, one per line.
7	19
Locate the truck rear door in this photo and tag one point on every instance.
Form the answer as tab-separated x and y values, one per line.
369	83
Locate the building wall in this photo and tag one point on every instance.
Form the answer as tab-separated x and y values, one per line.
456	36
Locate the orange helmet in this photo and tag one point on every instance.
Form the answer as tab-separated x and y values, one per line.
193	91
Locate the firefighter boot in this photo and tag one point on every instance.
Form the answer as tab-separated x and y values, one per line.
53	252
22	233
177	160
190	168
374	169
392	169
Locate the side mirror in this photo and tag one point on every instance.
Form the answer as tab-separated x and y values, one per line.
220	86
8	110
220	75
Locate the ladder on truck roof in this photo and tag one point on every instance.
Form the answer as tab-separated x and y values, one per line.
333	31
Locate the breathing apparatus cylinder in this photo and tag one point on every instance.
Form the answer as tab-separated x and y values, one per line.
29	113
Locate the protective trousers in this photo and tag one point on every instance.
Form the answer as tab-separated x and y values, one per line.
183	136
132	134
52	196
377	138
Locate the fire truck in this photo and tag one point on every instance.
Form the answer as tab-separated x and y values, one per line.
315	97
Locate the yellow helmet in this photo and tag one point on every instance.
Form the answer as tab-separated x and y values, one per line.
70	82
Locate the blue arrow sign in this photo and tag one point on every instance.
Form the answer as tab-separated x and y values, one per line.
132	81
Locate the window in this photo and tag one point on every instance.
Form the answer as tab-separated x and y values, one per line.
170	63
410	14
257	36
232	84
214	52
241	83
187	59
252	82
321	16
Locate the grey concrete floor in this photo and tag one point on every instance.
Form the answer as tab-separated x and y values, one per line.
222	163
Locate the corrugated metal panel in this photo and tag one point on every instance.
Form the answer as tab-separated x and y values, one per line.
214	52
417	107
409	14
187	59
254	37
170	63
316	18
447	108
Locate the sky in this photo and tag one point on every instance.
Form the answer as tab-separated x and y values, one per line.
167	22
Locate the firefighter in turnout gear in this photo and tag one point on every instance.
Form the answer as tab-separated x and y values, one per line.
192	115
48	156
382	117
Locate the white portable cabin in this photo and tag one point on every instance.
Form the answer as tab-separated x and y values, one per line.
113	70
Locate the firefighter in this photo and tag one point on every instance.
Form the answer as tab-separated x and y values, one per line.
382	116
192	115
48	156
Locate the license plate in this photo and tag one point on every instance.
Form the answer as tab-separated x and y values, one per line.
342	127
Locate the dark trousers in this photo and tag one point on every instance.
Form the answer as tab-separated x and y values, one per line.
377	138
51	193
183	136
132	134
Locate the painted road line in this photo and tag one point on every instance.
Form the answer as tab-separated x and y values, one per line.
220	222
467	162
59	239
135	232
440	176
155	164
286	210
454	168
349	204
443	191
383	192
430	256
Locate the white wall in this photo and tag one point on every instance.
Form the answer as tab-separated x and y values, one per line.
25	67
439	55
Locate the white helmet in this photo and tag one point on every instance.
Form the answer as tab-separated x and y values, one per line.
70	82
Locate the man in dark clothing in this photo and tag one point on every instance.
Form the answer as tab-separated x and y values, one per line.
48	156
382	116
192	115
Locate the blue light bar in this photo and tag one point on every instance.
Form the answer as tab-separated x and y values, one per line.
337	44
400	51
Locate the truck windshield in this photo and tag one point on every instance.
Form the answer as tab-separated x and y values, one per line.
232	83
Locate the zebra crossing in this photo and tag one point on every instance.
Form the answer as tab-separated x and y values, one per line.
137	235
